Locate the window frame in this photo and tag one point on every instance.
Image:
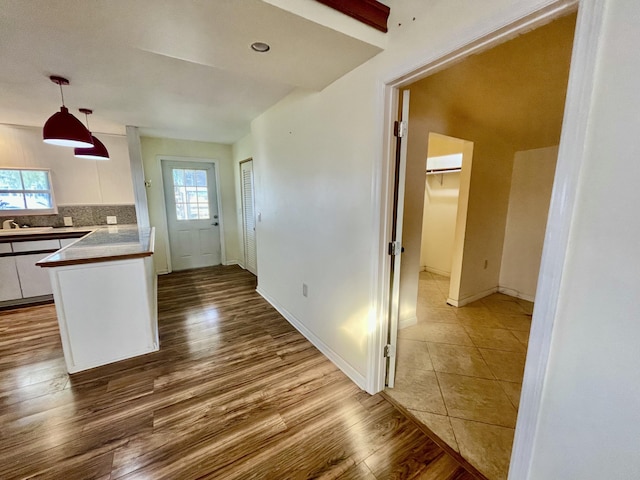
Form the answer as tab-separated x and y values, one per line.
198	188
30	211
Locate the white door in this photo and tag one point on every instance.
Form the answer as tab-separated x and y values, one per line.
396	237
192	214
248	217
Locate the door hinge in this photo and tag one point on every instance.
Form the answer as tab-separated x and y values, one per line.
395	248
389	351
400	129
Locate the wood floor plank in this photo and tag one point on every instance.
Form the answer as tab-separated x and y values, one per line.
235	392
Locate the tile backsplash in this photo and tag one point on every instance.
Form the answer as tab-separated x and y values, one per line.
81	215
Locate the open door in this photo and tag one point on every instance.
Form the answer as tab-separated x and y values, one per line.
395	247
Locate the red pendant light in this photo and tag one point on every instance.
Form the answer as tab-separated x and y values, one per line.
98	151
64	129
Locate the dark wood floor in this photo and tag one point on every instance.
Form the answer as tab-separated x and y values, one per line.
234	393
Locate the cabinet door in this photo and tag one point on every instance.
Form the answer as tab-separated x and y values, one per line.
33	245
34	280
9	284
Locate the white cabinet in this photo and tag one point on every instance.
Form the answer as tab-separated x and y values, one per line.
35	245
107	311
9	283
5	248
33	279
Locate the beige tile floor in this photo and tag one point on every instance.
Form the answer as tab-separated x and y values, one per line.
459	371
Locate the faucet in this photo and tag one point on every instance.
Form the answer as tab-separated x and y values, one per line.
9	224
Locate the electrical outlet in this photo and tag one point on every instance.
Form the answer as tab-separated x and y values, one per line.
305	290
68	221
111	220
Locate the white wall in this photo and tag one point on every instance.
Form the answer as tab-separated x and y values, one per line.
589	417
152	148
316	159
316	156
75	181
531	183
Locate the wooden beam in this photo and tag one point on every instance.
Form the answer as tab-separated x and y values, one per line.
369	12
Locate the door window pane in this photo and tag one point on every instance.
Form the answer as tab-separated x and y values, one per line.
191	194
181	211
201	178
190	178
178	177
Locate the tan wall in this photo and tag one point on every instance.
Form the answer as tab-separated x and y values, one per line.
531	184
488	199
152	148
487	213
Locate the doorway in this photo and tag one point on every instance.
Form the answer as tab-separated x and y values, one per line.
460	369
192	204
448	167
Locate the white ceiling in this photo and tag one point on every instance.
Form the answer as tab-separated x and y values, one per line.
174	68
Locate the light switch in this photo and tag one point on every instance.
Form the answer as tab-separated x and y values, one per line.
111	220
68	221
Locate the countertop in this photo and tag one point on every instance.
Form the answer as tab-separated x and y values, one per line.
103	244
40	233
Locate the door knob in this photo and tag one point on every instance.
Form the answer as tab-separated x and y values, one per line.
215	224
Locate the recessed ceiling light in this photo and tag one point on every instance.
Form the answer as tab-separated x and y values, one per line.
260	47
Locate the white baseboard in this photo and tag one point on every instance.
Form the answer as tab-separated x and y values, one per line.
436	271
515	293
347	369
471	298
407	322
162	272
234	262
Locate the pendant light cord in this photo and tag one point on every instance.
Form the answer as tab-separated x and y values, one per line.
86	119
61	93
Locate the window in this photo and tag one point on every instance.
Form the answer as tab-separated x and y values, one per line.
191	194
26	192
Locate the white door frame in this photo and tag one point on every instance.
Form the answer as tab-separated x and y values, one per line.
216	164
574	129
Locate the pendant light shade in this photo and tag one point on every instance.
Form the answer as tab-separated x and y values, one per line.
97	151
64	129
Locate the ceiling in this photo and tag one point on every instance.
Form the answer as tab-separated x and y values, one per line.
174	68
516	89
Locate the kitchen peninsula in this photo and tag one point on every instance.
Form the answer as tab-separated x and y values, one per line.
104	288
